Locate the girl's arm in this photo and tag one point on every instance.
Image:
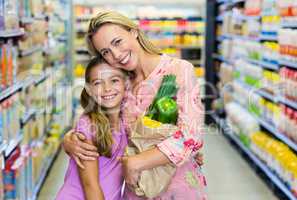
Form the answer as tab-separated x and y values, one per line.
75	145
89	177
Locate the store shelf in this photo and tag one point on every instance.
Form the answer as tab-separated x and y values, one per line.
41	78
45	170
40	17
13	144
288	102
263	64
277	134
27	116
273	178
286	24
241	37
43	175
222	59
83	17
267	95
238	1
269	37
288	63
27	20
246	17
12	33
10	91
225	36
3	146
82	49
180	46
195	61
31	50
223	1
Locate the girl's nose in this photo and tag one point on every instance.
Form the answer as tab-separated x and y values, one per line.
107	87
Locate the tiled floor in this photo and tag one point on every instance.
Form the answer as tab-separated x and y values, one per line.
229	176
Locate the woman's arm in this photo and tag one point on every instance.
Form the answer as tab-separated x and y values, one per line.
90	179
75	145
182	145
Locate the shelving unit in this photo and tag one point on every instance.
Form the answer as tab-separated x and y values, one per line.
262	166
216	35
34	93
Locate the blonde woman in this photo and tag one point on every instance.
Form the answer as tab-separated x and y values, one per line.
120	42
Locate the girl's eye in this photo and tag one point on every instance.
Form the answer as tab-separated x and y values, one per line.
115	80
97	83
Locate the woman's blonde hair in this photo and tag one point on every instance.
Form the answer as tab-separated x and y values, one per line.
99	120
116	18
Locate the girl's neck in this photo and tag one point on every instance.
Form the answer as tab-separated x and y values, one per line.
114	118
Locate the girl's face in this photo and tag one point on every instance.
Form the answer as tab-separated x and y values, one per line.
107	86
118	46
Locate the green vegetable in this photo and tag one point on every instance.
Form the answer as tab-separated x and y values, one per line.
167	110
168	88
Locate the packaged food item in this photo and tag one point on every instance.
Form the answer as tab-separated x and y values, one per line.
2	14
11	17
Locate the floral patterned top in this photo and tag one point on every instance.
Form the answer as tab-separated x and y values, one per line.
188	140
188	182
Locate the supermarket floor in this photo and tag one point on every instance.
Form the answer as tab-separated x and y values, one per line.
228	174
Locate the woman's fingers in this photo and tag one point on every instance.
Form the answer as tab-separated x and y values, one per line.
89	153
78	162
88	147
84	157
80	136
199	158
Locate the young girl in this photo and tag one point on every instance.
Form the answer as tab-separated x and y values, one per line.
101	99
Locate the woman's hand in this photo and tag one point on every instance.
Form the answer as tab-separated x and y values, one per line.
130	169
76	146
199	158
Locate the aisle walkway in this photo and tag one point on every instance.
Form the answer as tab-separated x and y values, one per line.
229	176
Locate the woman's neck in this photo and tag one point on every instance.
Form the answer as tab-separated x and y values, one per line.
147	64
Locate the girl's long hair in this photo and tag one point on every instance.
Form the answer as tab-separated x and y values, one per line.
99	120
116	18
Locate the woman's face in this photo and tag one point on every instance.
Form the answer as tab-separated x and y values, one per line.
107	86
119	47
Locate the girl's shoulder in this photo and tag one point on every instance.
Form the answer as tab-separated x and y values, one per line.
84	126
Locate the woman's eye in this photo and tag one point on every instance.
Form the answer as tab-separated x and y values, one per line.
118	42
104	53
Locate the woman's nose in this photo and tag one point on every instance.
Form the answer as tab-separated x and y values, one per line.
116	53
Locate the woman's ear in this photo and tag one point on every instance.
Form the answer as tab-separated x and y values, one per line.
134	32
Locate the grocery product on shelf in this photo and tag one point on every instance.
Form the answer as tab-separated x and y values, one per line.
33	78
256	40
277	156
252	7
244	124
288	119
287	42
288	82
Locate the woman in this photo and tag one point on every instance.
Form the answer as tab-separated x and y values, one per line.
120	42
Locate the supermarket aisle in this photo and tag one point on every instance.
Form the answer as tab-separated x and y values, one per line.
229	176
55	178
